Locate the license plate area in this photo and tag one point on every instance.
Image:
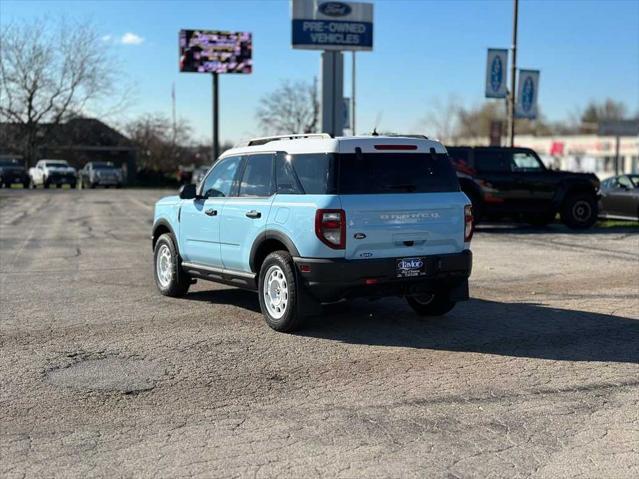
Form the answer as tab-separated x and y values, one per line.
410	267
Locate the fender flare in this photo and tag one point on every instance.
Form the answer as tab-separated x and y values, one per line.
156	225
271	235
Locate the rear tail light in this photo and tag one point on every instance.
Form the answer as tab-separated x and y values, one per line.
468	223
330	228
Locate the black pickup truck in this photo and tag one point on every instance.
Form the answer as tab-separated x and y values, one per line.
12	171
513	182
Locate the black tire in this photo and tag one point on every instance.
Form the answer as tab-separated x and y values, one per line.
92	185
59	185
73	185
26	184
45	184
579	211
437	304
290	320
179	282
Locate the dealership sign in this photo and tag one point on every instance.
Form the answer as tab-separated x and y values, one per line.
527	92
496	67
328	25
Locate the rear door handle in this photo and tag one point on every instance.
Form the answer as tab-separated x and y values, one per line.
253	214
211	212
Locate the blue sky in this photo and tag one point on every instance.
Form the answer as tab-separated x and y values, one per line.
424	51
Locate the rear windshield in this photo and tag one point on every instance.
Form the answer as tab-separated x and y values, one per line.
378	173
374	173
58	164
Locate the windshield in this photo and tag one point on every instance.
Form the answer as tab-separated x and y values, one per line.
375	173
104	166
9	163
56	164
635	180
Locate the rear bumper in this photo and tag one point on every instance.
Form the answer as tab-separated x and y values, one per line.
334	279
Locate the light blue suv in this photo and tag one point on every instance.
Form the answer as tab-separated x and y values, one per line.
310	219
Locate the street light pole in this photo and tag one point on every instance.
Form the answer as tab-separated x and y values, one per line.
513	72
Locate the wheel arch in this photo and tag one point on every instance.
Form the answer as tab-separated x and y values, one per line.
161	227
269	241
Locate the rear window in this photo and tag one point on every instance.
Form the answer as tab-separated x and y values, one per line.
379	173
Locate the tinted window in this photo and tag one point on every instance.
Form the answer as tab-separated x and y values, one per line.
9	163
314	172
220	180
492	161
373	173
284	176
256	180
625	182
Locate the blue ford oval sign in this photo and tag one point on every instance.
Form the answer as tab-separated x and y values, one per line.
527	94
496	74
334	9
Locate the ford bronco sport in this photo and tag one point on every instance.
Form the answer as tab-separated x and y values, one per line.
310	219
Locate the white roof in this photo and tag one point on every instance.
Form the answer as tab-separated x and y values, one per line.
342	144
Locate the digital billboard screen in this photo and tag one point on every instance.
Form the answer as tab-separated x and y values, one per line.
207	51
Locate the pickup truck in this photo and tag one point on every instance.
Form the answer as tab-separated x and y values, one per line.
513	182
12	172
52	172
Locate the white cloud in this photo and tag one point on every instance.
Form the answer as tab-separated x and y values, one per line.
106	38
131	39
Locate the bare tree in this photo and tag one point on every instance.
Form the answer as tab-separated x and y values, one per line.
442	119
50	72
292	108
162	143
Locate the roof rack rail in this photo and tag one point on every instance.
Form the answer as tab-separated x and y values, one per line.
398	135
267	139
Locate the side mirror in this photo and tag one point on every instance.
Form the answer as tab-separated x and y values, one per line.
188	192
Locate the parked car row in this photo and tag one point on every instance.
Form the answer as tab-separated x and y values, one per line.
52	172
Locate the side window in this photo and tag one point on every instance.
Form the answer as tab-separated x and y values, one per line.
219	182
257	177
284	179
624	182
524	161
492	161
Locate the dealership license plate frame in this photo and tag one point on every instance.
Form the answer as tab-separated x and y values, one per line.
401	271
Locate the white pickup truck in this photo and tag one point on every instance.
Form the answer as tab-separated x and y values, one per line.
52	172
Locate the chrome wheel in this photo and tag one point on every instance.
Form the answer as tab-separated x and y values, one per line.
275	292
164	266
581	211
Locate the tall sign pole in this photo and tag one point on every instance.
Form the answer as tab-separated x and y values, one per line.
513	72
216	116
353	131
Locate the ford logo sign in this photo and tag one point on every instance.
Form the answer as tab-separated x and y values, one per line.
496	74
334	9
527	94
411	263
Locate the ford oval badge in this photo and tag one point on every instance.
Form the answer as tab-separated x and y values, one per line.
496	74
334	9
359	236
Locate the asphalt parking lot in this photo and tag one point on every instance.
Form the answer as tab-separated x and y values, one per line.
536	376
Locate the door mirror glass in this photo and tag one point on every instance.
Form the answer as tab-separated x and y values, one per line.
188	192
